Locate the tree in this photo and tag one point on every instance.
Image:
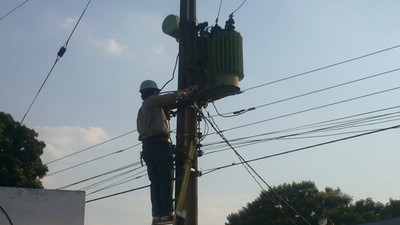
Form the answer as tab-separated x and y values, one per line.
392	209
20	151
302	203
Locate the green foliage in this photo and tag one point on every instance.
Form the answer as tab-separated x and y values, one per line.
20	151
302	203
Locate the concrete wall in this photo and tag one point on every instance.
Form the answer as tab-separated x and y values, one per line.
42	207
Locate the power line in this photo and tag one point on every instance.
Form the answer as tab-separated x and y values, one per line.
92	160
298	136
7	216
321	68
60	54
13	9
240	112
125	180
240	6
247	166
218	131
91	147
325	126
311	109
219	11
304	148
116	194
173	72
99	175
108	179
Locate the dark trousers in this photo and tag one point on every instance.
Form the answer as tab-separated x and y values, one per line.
159	160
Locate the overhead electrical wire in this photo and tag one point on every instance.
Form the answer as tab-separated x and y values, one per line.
212	123
248	142
92	160
248	166
207	171
6	214
240	6
318	127
91	186
118	193
60	54
219	11
241	111
311	109
286	137
90	147
322	68
173	72
99	175
5	15
124	181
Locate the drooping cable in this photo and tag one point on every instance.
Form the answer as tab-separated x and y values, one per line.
7	216
99	175
312	109
240	6
322	68
219	11
92	160
248	166
241	111
295	136
116	194
212	123
173	72
99	183
91	147
325	126
13	9
305	148
126	180
60	54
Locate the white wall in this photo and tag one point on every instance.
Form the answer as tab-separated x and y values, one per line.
42	207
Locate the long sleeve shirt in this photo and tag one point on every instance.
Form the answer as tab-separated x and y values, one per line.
151	119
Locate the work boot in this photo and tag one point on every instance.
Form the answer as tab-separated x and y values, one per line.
167	218
155	220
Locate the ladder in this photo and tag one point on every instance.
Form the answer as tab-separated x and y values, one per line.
188	163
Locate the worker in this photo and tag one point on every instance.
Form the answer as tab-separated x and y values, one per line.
153	128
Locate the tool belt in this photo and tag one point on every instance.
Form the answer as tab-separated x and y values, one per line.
155	138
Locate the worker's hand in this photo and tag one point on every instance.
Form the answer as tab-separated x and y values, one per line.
183	94
187	93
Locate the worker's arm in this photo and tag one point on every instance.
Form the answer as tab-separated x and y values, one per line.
166	100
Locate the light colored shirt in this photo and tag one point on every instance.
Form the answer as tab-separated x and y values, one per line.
151	119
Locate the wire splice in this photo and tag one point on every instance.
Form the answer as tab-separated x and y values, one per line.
61	52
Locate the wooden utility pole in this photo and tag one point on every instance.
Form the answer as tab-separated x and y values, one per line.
186	137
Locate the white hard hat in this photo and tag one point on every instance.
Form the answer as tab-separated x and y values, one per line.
148	84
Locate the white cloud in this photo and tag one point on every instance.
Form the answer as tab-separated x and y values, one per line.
68	22
158	50
61	141
110	45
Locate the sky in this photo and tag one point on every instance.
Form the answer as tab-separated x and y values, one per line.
322	76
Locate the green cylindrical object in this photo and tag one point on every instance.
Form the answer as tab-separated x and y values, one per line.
225	62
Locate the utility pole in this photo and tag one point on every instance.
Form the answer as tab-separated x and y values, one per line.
186	138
